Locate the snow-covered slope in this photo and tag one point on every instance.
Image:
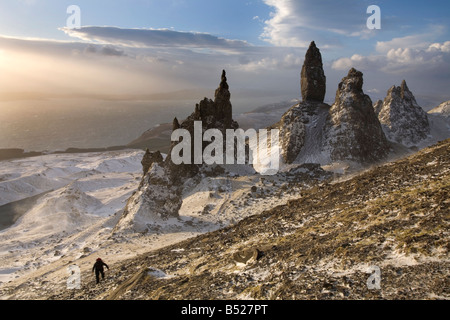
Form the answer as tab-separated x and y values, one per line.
84	191
443	109
23	178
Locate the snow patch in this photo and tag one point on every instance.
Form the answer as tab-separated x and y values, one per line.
158	274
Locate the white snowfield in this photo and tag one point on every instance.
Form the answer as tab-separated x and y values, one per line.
85	191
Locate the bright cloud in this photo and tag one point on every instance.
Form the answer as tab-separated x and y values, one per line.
148	38
417	59
415	41
296	23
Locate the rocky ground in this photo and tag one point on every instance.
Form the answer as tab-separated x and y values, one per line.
321	246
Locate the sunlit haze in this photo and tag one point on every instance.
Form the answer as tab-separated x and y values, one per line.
128	51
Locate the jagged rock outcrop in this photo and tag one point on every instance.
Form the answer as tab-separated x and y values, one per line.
443	109
176	124
156	200
314	132
301	130
214	114
403	120
313	80
159	196
378	106
353	131
222	102
150	158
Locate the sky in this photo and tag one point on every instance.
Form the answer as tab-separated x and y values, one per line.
135	49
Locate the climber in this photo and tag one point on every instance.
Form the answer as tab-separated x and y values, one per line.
98	268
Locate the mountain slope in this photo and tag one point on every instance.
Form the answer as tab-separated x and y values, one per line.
320	246
443	109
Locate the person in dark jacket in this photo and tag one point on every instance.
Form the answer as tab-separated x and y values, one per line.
98	268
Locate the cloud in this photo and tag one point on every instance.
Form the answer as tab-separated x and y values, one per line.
58	48
416	41
281	61
86	68
151	38
420	58
425	66
107	50
194	50
297	22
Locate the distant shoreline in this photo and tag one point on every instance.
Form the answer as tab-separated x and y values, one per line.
15	153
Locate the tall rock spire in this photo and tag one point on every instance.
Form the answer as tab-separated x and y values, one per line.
217	113
222	101
313	80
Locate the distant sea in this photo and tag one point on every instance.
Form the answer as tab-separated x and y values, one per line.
55	125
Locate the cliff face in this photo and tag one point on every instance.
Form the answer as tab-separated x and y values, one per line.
353	131
301	133
403	120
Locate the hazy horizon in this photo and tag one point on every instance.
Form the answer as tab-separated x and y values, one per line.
129	57
56	124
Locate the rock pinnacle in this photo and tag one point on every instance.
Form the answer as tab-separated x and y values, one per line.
313	80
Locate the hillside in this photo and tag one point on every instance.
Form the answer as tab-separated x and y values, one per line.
320	246
443	109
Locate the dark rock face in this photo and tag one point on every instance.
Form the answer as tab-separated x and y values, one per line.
222	102
378	106
301	132
150	158
403	120
214	114
313	80
353	131
175	125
